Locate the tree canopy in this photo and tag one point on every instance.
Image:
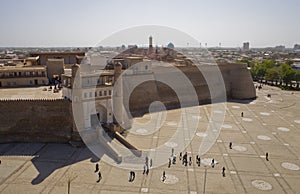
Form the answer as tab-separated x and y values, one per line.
272	71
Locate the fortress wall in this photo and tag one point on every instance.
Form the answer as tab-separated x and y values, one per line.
35	121
52	120
141	97
207	82
236	78
240	81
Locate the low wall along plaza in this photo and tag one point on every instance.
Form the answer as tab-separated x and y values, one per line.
35	121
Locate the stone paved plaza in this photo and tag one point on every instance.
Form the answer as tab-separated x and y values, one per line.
269	125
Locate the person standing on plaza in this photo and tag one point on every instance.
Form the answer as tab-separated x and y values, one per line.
164	176
184	160
97	167
144	169
198	160
99	176
267	156
130	176
230	145
147	161
223	171
174	159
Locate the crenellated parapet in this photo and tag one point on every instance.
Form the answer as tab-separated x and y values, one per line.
34	100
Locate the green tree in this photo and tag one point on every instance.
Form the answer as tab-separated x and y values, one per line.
258	70
289	62
267	64
272	74
297	78
287	73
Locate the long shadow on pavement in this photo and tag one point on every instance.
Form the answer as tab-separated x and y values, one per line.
48	157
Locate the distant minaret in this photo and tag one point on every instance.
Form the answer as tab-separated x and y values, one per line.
150	49
150	42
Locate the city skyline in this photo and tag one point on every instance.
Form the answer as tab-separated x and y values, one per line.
77	23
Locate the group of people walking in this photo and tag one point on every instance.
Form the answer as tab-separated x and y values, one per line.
186	160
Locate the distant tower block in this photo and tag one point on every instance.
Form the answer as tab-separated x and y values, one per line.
150	42
246	46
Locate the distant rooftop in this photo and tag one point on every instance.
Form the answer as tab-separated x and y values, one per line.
32	58
21	67
58	52
97	73
55	59
29	93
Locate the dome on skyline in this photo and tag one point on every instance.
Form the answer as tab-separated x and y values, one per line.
171	45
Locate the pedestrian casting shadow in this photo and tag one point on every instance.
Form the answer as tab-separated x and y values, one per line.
47	158
66	155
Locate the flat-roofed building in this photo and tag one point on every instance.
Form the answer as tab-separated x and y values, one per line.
71	57
132	60
32	60
55	67
21	75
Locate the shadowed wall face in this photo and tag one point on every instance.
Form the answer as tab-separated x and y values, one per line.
148	92
237	81
35	121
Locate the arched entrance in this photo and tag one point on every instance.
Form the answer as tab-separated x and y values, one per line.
100	117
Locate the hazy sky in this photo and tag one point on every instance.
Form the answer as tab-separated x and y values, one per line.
86	23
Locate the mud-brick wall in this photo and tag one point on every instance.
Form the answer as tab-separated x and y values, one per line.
227	81
240	80
233	81
35	121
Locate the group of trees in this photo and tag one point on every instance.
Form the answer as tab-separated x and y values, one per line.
272	71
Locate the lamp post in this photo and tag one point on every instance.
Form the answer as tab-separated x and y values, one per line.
205	173
70	179
204	183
